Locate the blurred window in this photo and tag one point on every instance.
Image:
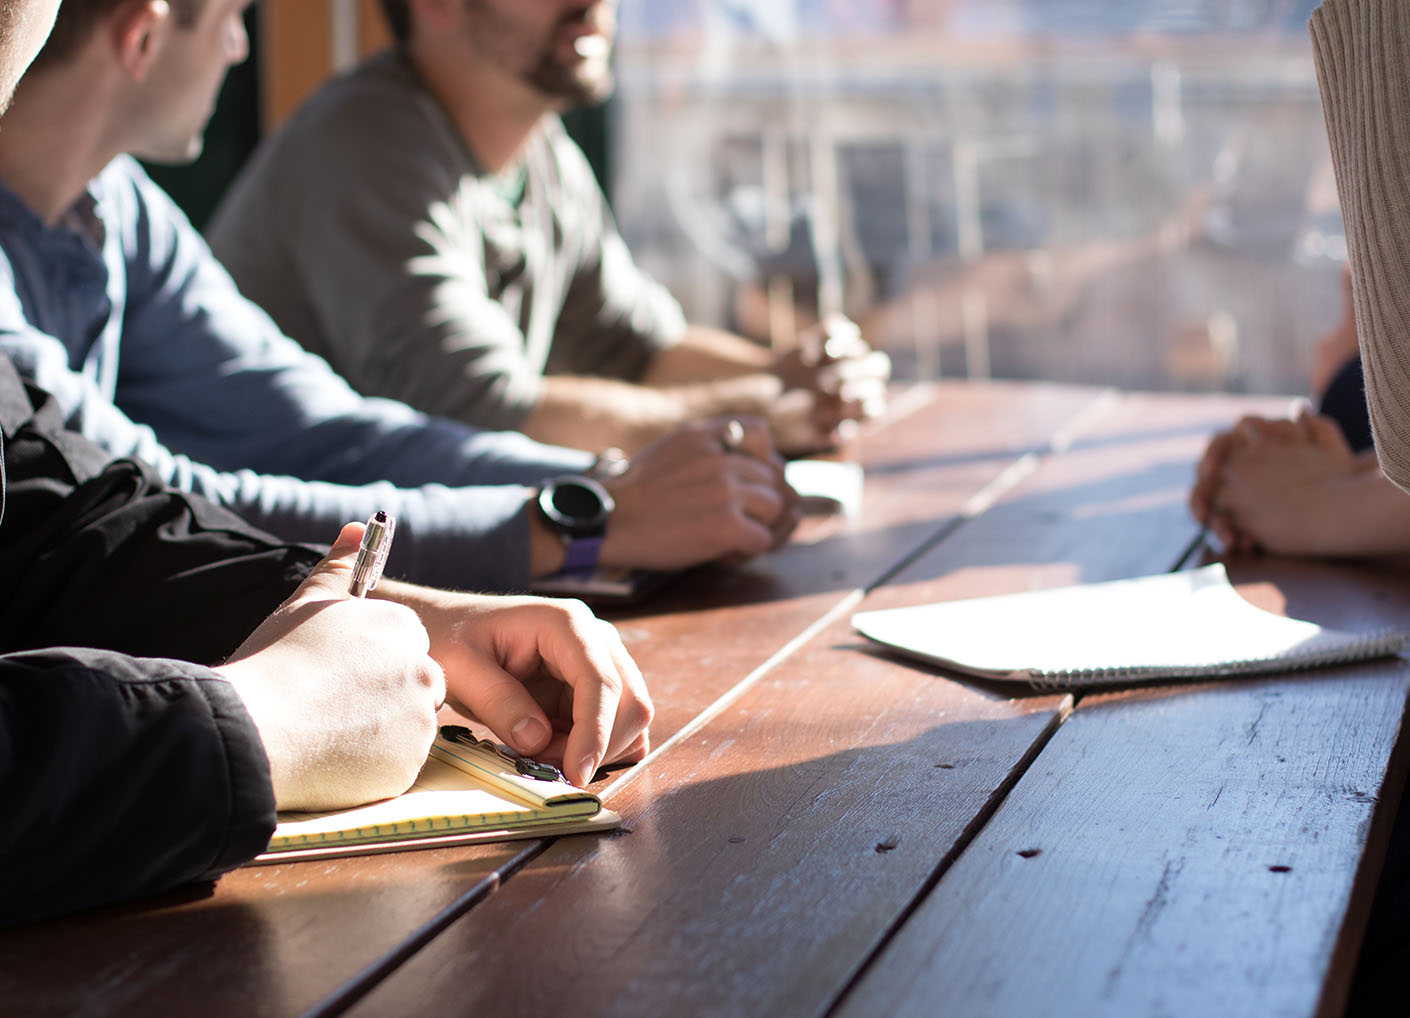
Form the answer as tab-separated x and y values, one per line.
1133	192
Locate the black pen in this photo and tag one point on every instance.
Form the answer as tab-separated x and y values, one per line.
372	553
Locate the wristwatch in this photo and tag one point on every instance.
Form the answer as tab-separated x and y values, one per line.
577	508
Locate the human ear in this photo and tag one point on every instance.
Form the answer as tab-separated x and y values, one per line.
138	30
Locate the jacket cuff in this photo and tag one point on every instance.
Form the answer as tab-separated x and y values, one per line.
251	789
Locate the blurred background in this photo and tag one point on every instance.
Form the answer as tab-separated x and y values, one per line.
1133	192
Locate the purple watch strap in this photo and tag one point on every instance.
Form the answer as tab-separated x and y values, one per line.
581	555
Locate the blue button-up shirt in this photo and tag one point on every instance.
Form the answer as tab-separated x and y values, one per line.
121	312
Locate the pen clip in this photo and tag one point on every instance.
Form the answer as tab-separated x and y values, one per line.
522	764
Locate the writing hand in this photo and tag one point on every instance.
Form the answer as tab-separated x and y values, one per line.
341	689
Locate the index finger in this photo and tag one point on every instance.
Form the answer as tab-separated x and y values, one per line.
610	707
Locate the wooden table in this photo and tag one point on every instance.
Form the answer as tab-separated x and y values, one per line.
825	830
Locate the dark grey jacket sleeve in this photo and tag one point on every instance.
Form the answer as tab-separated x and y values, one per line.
100	553
122	771
121	777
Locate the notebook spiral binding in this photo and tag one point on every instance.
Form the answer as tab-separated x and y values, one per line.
1375	643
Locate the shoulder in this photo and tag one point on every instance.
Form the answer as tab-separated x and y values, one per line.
19	230
376	111
125	175
369	143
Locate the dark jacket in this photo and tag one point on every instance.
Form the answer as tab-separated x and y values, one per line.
125	769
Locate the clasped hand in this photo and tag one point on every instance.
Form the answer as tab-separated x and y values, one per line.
695	496
1280	485
831	378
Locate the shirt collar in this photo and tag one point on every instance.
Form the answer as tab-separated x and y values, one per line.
83	219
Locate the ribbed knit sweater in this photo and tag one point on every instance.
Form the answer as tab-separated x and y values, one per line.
1362	51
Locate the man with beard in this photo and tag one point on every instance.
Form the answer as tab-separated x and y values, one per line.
427	226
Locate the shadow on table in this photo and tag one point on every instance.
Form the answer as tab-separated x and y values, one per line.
774	874
271	940
1020	689
1126	525
1339	593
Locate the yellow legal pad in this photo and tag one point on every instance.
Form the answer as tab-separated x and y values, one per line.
469	790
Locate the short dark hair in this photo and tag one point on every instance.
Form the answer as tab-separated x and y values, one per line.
398	16
77	19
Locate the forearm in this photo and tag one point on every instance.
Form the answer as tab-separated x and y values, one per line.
121	777
452	535
1373	520
1361	48
598	413
707	354
465	538
101	554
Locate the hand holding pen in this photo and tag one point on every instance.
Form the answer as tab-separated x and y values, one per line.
327	671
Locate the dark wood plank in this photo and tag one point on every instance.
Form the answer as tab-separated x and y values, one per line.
278	940
1198	849
1091	517
772	851
261	941
766	854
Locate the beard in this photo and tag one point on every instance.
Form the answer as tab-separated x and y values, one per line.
583	84
501	35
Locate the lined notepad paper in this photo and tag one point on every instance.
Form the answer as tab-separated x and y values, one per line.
461	791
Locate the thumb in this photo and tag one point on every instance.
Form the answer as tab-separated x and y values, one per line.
1317	428
330	577
507	708
1327	433
349	540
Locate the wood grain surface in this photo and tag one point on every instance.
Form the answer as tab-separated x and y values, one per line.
780	845
824	829
1179	850
280	940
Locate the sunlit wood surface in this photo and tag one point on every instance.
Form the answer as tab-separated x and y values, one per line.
826	830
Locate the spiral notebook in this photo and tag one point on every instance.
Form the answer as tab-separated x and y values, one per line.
469	790
1183	625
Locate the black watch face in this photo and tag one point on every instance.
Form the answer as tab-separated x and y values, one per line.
577	505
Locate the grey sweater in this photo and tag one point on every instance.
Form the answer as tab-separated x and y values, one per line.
367	229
